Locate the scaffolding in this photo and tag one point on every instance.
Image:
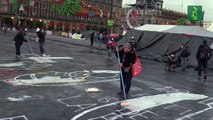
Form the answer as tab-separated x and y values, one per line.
143	12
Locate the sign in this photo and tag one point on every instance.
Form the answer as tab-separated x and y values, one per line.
110	22
195	13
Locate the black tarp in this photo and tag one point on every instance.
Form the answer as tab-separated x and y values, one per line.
156	45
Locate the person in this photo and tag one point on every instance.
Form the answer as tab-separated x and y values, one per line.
41	39
185	53
133	43
91	38
110	47
203	55
5	29
100	40
18	41
171	63
127	59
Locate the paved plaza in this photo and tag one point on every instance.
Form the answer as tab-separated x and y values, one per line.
53	88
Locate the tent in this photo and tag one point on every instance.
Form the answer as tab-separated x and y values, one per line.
157	41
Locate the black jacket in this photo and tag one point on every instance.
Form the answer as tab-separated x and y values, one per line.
92	35
203	49
41	36
19	38
127	59
185	52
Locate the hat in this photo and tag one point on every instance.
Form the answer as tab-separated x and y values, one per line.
127	45
38	29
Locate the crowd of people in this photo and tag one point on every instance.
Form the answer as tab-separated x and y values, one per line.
203	54
126	55
173	61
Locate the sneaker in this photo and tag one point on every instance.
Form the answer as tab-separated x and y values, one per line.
21	55
18	57
43	55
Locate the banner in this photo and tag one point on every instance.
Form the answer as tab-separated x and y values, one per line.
195	13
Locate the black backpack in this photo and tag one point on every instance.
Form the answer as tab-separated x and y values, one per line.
205	52
187	52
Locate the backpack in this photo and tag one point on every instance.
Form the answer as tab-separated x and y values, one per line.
187	52
205	52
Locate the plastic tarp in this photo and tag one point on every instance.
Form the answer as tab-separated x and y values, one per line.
210	28
190	30
150	27
157	45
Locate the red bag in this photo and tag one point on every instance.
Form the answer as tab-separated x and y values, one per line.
136	68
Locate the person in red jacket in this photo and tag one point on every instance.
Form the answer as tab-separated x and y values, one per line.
110	47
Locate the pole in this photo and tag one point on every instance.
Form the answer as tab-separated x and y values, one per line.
19	20
31	50
122	80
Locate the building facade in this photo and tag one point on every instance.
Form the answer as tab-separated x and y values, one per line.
61	15
207	24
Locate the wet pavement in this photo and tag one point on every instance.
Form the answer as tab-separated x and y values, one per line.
53	88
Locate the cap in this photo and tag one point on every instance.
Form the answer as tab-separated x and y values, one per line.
127	45
38	29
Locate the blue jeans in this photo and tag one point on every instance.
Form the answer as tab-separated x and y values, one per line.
41	46
184	62
99	44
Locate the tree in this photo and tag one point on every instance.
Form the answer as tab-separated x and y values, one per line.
66	7
8	21
182	21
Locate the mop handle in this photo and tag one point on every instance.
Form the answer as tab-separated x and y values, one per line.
122	81
31	50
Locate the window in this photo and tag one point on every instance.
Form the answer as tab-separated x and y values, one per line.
4	8
43	13
43	5
34	12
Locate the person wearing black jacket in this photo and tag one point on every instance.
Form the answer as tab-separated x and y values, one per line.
203	55
41	39
18	40
127	59
91	38
185	53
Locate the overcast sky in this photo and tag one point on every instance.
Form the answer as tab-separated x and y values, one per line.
177	5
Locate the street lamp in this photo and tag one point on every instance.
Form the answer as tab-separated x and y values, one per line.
19	21
21	9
